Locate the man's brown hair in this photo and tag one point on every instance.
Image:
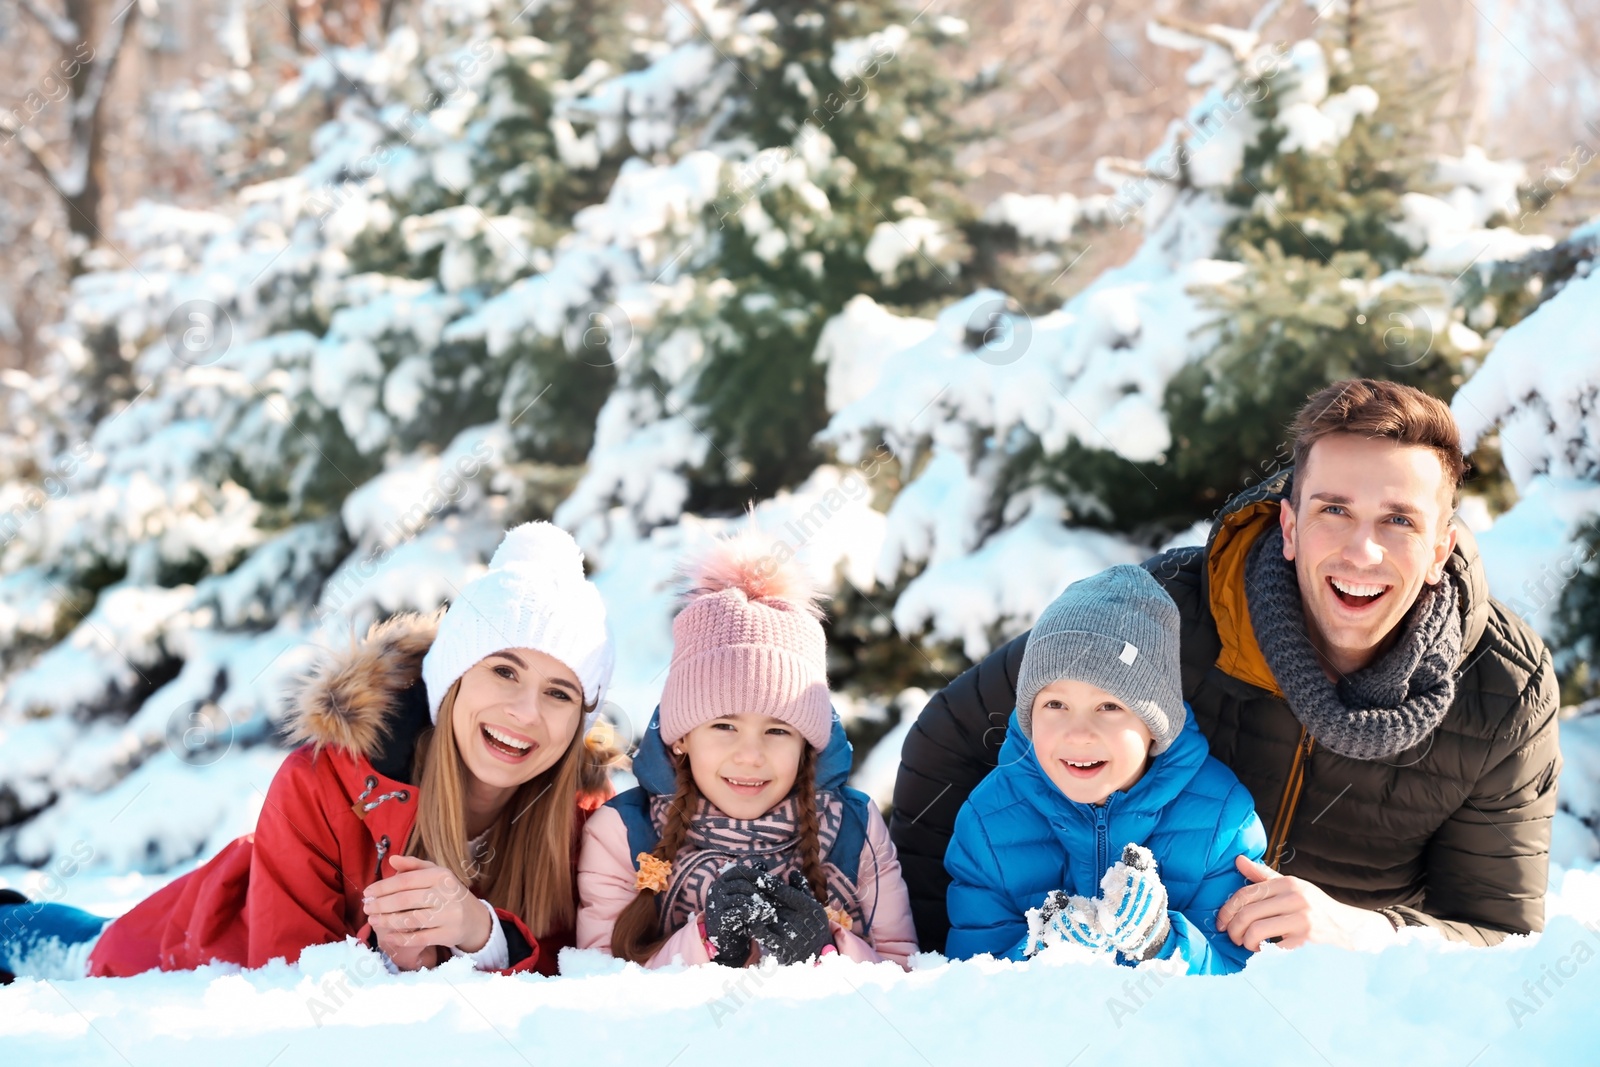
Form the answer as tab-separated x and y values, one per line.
1373	408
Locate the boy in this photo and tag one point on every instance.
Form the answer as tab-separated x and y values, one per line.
1107	823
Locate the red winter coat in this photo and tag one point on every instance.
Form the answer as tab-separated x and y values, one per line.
338	807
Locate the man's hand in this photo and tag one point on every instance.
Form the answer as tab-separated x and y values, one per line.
423	904
1295	912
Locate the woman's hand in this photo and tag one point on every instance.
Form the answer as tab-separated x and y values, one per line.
422	904
409	957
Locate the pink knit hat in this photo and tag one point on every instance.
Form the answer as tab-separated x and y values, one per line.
748	641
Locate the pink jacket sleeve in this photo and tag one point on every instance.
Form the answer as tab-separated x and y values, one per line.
605	888
883	899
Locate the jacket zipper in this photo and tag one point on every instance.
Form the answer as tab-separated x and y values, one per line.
383	850
1101	833
1279	840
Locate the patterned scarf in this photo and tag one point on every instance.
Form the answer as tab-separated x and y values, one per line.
1384	708
715	840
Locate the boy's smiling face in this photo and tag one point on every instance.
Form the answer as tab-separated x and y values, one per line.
1088	742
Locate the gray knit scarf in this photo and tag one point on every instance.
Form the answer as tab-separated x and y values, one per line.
1380	710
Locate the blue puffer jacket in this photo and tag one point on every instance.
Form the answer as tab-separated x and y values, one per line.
1018	837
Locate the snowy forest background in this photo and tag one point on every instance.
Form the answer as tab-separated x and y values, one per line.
304	305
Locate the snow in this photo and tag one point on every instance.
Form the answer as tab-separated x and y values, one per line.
998	591
1538	388
1319	128
1418	1000
860	58
415	574
1538	385
875	774
1580	790
856	342
166	812
893	243
1094	372
104	654
1453	242
1531	553
634	472
1038	217
29	606
405	498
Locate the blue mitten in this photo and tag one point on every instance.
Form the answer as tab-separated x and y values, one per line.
1132	905
1064	919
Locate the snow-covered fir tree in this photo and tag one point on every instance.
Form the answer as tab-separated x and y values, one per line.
304	449
540	255
1293	235
563	261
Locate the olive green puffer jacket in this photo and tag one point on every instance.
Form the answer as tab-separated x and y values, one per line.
1453	833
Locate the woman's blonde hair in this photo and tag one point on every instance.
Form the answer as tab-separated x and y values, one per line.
528	868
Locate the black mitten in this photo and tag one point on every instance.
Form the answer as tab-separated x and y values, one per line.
734	904
799	927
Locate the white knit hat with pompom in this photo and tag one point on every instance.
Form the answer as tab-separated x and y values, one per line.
534	596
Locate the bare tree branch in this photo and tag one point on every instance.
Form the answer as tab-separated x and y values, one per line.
38	152
105	62
62	30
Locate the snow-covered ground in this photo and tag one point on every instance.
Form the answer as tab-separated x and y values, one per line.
1420	1001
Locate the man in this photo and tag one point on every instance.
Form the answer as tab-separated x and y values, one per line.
1340	650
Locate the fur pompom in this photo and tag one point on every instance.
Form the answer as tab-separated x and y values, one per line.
760	568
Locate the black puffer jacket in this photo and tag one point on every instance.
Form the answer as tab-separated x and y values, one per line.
1453	833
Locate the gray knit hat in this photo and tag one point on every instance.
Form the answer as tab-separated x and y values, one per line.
1117	630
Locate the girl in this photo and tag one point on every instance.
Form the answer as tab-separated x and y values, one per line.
433	809
740	839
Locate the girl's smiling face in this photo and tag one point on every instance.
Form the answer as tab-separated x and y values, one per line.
744	764
1088	742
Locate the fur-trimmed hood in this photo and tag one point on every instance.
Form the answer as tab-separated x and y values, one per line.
365	699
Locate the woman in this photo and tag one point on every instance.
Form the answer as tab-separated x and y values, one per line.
434	807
